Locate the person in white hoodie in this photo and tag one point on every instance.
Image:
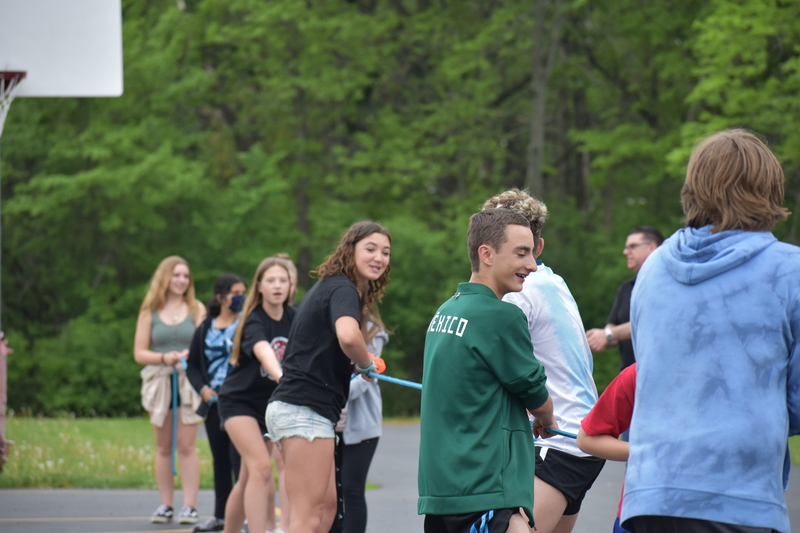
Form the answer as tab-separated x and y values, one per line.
564	473
715	317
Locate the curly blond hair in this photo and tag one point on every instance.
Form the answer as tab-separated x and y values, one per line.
519	201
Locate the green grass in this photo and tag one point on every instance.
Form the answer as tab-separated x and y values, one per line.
86	453
103	453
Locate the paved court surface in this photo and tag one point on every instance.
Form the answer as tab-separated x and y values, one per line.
392	507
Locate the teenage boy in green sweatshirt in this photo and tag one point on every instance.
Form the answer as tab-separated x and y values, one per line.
476	464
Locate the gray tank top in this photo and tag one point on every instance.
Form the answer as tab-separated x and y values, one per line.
165	338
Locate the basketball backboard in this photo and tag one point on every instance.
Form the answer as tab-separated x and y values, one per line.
66	47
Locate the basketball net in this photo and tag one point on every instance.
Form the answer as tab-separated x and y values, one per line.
9	81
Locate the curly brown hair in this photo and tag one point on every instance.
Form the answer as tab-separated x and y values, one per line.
342	261
523	203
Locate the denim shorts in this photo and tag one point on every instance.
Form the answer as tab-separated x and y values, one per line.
285	420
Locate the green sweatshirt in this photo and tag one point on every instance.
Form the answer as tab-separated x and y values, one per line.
479	375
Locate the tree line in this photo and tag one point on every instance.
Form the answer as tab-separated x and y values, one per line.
249	128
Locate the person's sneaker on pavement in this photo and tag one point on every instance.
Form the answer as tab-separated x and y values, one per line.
188	515
210	524
162	515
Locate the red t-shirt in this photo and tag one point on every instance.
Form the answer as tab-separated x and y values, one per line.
612	413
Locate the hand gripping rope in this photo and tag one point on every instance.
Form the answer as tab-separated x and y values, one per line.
381	366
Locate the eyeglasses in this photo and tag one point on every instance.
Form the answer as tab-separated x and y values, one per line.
630	247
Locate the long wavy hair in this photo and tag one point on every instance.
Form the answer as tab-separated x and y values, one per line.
254	299
342	261
156	296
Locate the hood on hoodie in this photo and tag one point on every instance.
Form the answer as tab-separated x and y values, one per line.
693	255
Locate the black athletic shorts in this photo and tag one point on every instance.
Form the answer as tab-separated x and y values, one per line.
494	521
572	476
674	524
229	408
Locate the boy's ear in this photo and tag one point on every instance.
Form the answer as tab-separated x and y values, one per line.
486	254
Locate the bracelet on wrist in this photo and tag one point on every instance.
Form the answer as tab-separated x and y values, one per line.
164	363
367	369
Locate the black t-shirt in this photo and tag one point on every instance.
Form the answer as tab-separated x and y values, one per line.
249	381
316	372
620	314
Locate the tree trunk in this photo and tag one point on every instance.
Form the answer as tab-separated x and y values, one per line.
544	48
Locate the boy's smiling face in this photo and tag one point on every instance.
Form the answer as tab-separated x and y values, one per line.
507	267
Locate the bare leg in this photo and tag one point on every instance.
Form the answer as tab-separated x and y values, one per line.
271	487
310	483
566	523
234	507
190	462
519	524
331	501
285	509
163	465
548	507
257	467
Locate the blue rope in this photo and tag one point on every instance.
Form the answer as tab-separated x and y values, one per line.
397	381
562	433
175	415
417	386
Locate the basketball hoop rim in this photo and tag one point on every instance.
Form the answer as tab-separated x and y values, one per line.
12	75
9	81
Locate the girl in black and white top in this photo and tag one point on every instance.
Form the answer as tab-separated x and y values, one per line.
259	344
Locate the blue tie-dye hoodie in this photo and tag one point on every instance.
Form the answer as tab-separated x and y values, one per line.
716	323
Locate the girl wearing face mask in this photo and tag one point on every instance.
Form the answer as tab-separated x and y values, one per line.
326	340
258	347
207	366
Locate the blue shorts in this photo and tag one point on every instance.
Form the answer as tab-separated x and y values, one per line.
285	420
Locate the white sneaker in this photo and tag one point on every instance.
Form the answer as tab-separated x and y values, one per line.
162	515
188	515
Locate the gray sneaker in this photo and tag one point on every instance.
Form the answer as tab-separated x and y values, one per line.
162	515
188	515
211	524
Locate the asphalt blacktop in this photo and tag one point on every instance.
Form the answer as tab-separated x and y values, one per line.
392	506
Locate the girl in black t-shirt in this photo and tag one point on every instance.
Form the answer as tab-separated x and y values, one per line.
258	347
325	340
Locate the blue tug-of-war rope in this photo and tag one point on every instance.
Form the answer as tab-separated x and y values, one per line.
418	386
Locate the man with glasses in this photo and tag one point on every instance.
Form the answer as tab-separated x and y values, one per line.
641	242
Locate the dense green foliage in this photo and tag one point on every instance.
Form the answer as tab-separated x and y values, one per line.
249	128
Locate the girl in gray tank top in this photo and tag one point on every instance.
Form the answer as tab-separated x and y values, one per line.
164	330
